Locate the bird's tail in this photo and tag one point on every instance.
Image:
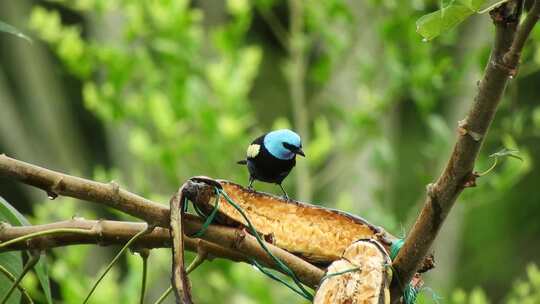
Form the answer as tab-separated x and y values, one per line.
242	162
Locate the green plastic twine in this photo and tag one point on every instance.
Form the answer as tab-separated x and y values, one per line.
299	288
209	219
274	277
302	290
410	293
333	274
396	246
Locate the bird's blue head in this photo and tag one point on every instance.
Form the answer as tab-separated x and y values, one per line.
283	144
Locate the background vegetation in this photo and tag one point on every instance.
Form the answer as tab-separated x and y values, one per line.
149	93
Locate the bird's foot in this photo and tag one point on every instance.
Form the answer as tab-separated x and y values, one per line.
285	196
250	183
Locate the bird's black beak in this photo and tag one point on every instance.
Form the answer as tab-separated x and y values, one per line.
299	152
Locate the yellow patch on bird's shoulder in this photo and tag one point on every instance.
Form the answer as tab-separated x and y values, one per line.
253	150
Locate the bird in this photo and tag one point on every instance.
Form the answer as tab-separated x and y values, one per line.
271	157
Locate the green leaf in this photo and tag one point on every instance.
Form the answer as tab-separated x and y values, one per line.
451	14
504	152
432	25
42	272
490	5
11	215
4	27
14	217
12	261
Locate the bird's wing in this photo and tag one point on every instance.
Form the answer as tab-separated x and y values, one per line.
253	150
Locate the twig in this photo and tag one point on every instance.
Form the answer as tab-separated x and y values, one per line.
118	255
458	173
495	162
202	255
34	258
512	57
164	295
43	233
179	279
12	278
111	195
97	232
144	253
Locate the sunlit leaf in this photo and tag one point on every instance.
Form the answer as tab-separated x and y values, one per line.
4	27
432	25
451	14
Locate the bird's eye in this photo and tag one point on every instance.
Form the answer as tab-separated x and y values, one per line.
289	147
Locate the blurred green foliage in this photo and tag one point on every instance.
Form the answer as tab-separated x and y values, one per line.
179	88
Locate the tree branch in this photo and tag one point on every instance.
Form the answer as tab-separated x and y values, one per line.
105	233
55	183
512	57
111	195
458	173
180	282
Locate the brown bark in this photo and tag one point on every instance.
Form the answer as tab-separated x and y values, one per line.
458	173
180	281
111	195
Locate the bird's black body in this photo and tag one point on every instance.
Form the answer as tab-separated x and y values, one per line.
267	168
271	156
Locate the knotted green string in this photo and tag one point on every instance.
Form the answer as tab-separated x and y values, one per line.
333	274
209	219
299	288
409	293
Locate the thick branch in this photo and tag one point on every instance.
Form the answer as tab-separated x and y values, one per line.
55	183
111	195
458	173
